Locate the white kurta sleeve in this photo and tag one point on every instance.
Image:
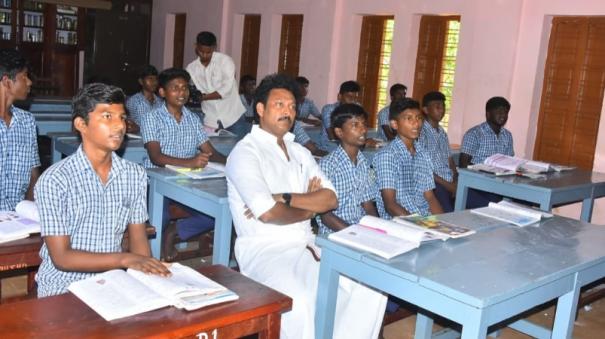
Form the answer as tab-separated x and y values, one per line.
225	83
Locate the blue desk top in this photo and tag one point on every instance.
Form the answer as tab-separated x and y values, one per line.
498	262
213	189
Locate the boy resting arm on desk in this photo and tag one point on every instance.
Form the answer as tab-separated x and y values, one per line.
89	199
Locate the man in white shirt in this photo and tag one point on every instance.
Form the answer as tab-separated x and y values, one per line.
213	73
275	187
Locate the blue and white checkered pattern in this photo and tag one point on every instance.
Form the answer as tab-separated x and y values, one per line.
481	142
326	113
355	184
383	119
137	106
18	155
300	135
307	108
249	107
410	176
177	139
74	202
437	145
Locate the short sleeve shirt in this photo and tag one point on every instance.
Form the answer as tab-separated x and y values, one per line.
481	142
437	145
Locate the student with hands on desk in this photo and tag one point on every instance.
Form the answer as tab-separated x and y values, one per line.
89	199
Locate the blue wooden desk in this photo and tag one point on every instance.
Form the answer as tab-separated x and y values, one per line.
555	189
131	149
52	124
477	281
208	196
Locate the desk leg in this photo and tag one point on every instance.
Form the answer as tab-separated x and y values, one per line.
424	326
567	305
156	210
461	195
222	237
546	205
587	205
476	327
273	327
327	289
56	156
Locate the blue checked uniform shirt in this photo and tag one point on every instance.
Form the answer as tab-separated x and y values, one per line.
437	145
18	155
138	106
383	119
300	135
74	202
481	142
326	113
354	184
410	176
179	140
307	108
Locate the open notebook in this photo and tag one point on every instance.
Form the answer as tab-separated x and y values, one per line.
212	170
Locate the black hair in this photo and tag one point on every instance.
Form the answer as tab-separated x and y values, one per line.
302	80
274	81
170	74
496	102
92	94
245	79
401	105
349	86
397	87
12	62
147	70
344	112
432	96
206	39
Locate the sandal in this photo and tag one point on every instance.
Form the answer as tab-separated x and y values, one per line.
169	251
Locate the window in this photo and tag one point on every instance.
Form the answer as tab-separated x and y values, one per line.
373	62
572	92
289	48
436	58
250	38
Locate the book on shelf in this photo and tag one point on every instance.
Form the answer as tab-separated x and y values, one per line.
117	293
500	164
212	170
512	213
20	223
389	238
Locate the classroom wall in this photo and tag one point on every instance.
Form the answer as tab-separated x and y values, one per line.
502	50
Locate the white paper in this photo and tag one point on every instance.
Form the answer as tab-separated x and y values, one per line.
373	241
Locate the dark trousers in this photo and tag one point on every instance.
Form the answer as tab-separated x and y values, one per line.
444	197
476	199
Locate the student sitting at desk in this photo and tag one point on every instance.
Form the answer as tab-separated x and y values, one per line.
485	140
404	171
275	187
348	170
19	159
89	199
301	137
306	107
247	84
434	139
397	91
173	135
144	101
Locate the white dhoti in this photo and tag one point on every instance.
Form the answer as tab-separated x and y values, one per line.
286	265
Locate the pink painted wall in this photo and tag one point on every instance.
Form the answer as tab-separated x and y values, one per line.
502	50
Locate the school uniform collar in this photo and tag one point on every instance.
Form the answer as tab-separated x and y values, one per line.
341	156
117	164
401	148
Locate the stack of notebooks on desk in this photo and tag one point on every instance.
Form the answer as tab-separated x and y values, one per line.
212	170
117	294
500	164
19	224
402	234
512	213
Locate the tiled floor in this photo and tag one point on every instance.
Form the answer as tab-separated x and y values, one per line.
589	325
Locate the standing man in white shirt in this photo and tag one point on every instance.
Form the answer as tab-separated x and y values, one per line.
213	73
275	187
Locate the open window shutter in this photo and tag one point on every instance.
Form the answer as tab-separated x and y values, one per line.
431	41
368	63
289	48
250	41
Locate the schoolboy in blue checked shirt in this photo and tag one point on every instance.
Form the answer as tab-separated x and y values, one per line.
397	91
306	107
434	139
404	172
173	135
301	137
19	159
348	170
485	140
144	101
89	199
347	94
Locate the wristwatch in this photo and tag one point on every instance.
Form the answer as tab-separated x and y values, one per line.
287	198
